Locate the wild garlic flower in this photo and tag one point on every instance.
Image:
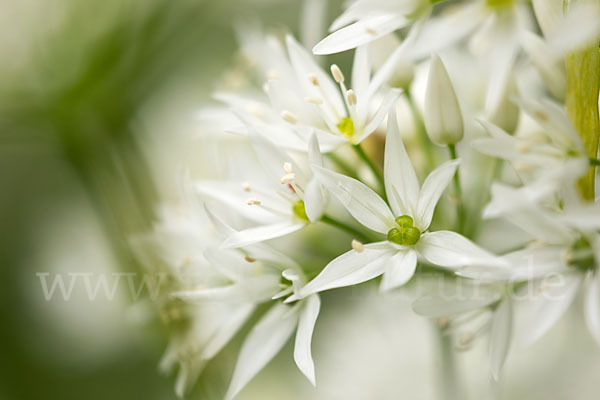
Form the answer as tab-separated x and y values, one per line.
405	222
292	199
469	311
552	142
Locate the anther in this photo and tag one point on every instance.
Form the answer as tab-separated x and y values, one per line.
357	246
443	322
313	79
351	97
337	73
287	167
371	31
287	178
253	202
246	187
249	259
313	100
289	117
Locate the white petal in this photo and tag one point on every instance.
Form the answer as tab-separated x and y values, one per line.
500	337
401	183
351	268
261	233
451	250
549	306
232	324
360	32
361	73
432	190
592	305
314	200
399	270
442	116
262	344
306	326
271	156
304	64
386	105
360	201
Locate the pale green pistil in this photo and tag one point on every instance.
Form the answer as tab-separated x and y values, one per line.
407	234
346	126
300	210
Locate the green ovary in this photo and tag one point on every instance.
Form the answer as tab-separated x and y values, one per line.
346	126
300	210
407	234
581	255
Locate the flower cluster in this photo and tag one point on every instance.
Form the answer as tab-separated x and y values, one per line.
365	168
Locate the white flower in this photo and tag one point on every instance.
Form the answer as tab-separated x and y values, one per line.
469	310
368	20
567	247
443	117
405	224
292	199
549	146
323	105
271	333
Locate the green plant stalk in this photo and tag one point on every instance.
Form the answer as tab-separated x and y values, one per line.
460	209
583	84
347	228
342	164
363	156
421	131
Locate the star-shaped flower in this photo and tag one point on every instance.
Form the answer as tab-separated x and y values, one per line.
405	222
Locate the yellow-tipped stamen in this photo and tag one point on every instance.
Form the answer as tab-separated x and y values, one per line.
313	100
371	31
351	97
287	167
337	73
246	187
249	259
289	117
313	79
357	246
288	178
253	202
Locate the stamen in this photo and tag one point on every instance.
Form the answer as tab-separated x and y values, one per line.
246	187
253	202
249	259
443	322
289	117
287	178
313	79
357	246
337	73
351	97
313	100
287	167
371	31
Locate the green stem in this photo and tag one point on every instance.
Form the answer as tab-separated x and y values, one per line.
460	209
363	156
342	165
594	162
421	130
449	382
581	100
347	228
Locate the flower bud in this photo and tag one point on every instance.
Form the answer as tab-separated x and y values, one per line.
443	118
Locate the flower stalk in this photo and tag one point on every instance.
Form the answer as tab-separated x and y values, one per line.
583	84
460	209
